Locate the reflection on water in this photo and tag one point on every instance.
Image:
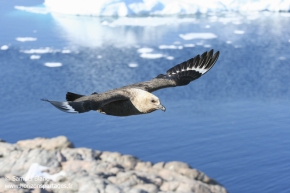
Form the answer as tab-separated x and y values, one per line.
95	32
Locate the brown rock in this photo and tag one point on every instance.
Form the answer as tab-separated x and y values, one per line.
80	154
49	144
175	165
143	166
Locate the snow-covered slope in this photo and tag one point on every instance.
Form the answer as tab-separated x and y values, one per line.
161	7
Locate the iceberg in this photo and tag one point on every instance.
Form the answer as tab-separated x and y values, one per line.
160	7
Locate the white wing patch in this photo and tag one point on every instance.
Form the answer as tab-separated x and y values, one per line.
200	70
67	108
63	106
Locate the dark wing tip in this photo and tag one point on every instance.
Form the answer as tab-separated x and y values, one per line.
200	63
70	96
193	68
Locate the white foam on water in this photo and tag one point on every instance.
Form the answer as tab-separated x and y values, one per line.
237	46
4	47
133	65
169	57
168	47
35	57
207	26
189	45
177	42
207	46
151	55
99	56
229	42
289	40
144	50
53	64
191	36
240	32
25	39
199	43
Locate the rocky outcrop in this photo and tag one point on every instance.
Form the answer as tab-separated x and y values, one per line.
54	166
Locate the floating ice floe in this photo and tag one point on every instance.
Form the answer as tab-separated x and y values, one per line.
66	51
38	51
35	57
207	46
191	36
133	65
45	50
144	50
168	47
207	26
26	39
169	57
189	45
36	171
53	64
4	47
151	55
239	32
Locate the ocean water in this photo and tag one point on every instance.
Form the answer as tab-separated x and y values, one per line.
233	123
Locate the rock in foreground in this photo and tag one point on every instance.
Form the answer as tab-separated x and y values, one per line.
54	166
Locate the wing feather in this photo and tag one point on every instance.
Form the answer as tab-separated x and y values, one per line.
181	74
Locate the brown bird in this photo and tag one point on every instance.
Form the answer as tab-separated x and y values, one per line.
136	98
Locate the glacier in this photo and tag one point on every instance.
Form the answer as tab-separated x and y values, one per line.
161	7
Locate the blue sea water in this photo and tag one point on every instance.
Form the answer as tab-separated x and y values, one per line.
233	123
